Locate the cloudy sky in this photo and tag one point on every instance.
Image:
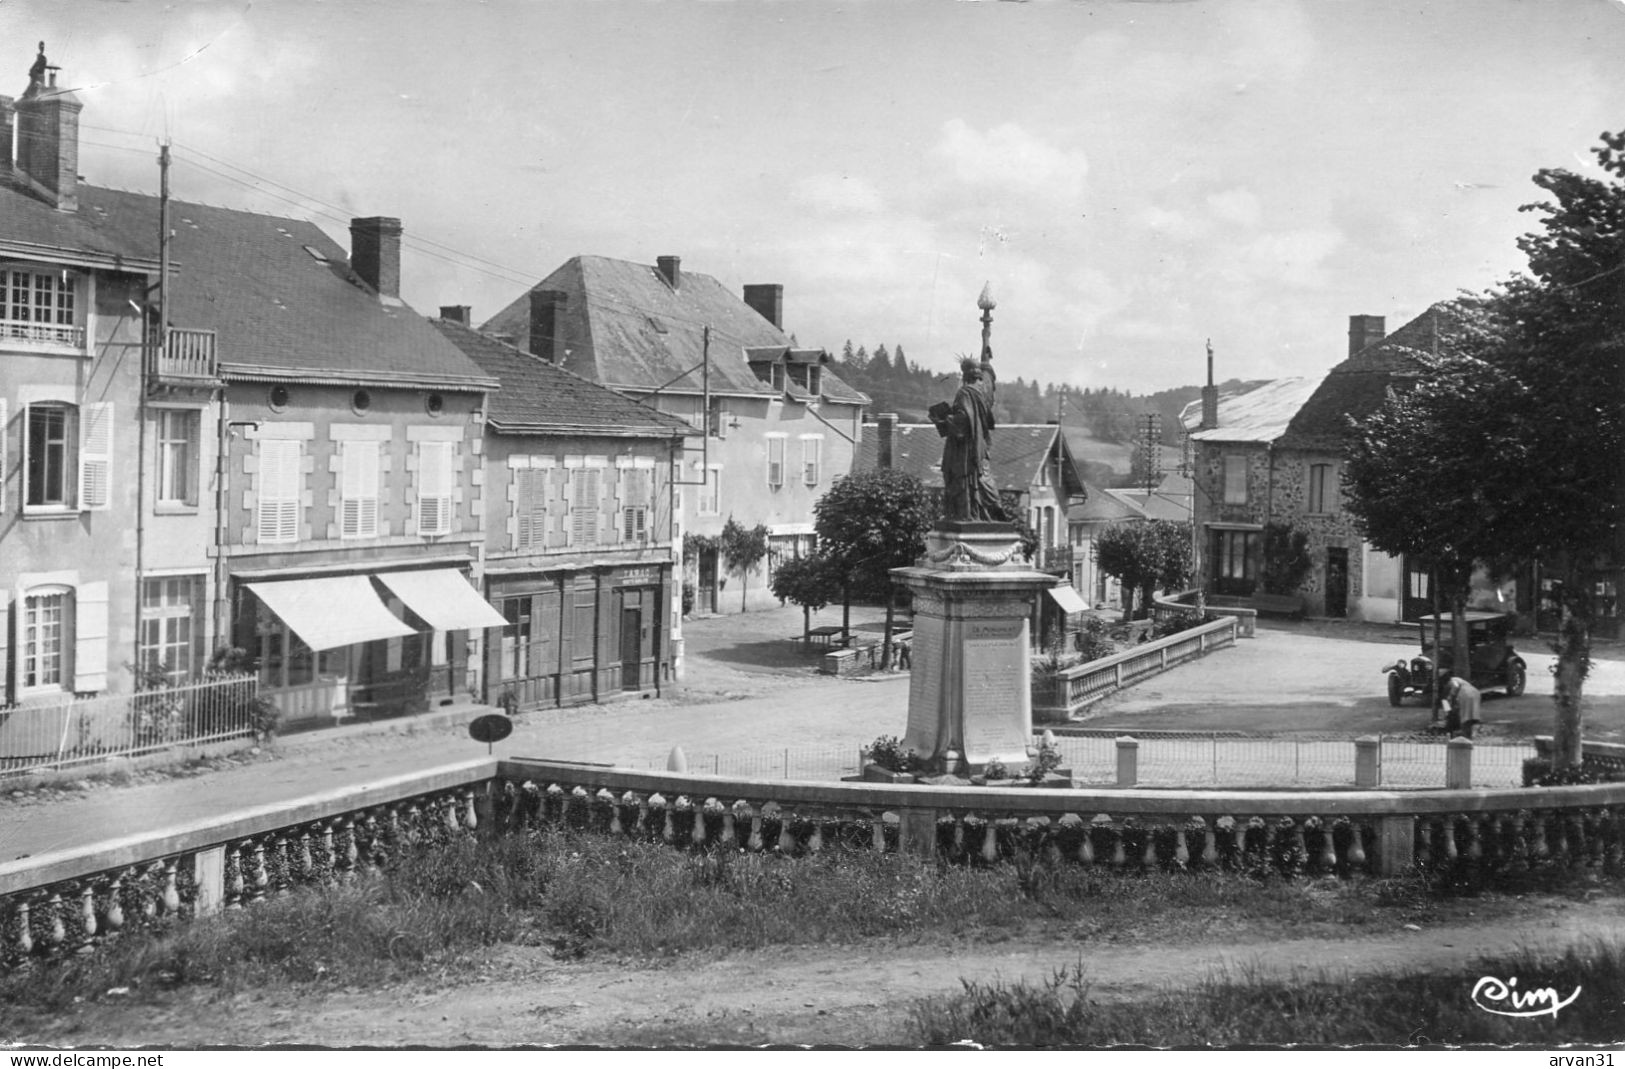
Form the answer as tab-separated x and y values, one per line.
1131	177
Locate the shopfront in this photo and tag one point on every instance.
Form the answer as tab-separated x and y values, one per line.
364	644
578	634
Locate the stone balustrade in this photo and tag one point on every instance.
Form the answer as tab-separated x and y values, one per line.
75	900
1057	696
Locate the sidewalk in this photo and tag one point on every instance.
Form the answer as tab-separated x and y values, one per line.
748	689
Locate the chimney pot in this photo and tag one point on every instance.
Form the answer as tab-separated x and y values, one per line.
1364	331
375	255
888	435
767	298
546	330
671	270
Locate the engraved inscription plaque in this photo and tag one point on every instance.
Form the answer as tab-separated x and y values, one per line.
997	705
925	714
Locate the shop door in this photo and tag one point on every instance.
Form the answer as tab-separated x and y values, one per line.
705	598
1337	582
631	648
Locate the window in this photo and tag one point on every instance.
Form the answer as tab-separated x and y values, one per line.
45	617
586	486
636	495
815	380
177	437
172	626
812	451
1322	488
1235	568
775	460
281	484
516	638
38	306
435	479
530	507
358	489
49	452
1235	479
776	377
720	420
709	500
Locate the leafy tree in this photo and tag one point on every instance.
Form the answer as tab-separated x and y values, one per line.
1526	427
811	582
1144	555
742	549
1286	558
868	523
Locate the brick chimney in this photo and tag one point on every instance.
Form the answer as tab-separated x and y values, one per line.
1210	395
375	255
546	330
48	141
671	269
887	438
1364	331
767	298
461	314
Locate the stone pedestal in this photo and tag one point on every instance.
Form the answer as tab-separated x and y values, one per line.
970	687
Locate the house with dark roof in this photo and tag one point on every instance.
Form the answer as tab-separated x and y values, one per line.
1085	522
579	557
271	432
772	425
1029	461
1274	455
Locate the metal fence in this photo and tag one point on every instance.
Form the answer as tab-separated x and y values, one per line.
1187	760
36	737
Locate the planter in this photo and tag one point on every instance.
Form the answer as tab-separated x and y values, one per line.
873	773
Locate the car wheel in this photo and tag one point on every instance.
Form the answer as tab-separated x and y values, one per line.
1517	678
1396	689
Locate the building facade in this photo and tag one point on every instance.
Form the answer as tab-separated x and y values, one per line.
771	424
579	556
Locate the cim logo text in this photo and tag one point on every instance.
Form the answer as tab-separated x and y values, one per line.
1502	998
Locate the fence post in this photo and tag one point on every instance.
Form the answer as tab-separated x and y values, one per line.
209	878
1128	761
1368	761
1458	764
676	761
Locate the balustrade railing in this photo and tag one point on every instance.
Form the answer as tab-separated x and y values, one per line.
188	354
75	900
1064	692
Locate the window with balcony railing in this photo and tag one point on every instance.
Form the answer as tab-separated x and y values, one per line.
39	308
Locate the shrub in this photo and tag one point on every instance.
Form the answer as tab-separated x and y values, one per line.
1174	623
887	752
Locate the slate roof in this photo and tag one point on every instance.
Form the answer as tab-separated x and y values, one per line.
624	327
1102	506
538	397
278	312
1360	384
1259	415
1018	450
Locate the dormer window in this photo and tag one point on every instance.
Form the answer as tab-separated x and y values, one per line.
778	377
40	308
815	379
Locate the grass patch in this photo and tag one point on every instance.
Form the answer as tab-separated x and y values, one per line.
1310	1009
436	908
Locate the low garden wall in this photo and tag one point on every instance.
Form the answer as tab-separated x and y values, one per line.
1058	696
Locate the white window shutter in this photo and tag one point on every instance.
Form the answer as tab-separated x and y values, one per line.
584	506
90	637
5	648
434	487
359	495
96	456
5	434
775	462
194	455
280	484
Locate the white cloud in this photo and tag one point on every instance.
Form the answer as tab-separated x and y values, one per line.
837	193
1010	158
1289	258
1238	206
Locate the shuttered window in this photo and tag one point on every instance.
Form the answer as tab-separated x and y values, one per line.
812	456
775	461
96	456
586	488
435	481
48	439
281	483
530	507
177	442
358	493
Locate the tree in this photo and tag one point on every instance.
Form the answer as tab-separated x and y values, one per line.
868	523
811	582
742	550
1525	426
1286	558
1144	555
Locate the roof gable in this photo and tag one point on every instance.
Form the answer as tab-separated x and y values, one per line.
1018	452
1259	415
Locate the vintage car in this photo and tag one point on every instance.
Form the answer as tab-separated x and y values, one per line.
1492	662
